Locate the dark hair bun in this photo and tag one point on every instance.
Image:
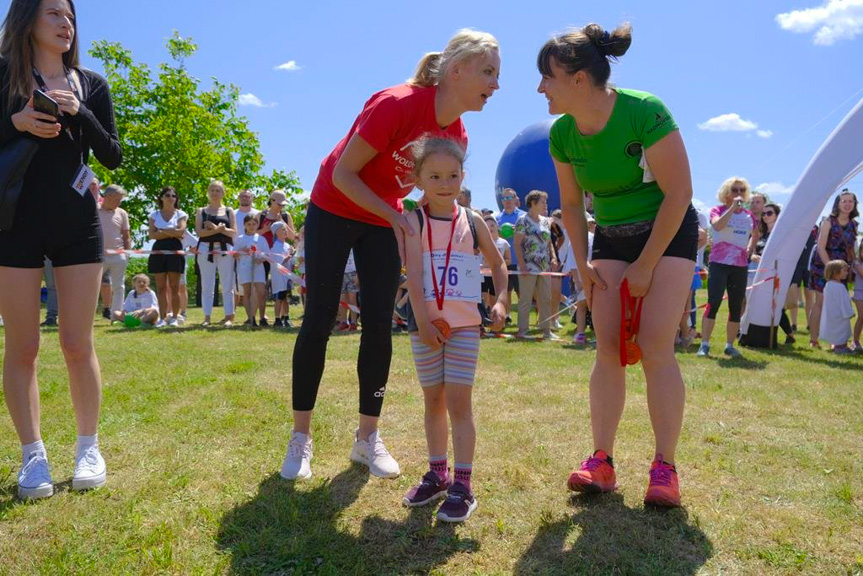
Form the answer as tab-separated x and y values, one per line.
614	44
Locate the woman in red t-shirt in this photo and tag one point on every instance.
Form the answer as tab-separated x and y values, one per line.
356	204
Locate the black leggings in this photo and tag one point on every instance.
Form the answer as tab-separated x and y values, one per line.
328	241
732	278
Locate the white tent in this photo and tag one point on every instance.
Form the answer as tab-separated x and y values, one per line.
838	160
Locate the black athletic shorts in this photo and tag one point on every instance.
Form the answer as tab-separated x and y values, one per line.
28	246
620	243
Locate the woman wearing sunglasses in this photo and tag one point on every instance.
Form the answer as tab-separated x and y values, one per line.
769	216
167	228
735	232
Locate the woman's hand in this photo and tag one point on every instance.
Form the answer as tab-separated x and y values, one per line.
67	101
430	335
755	258
209	225
590	279
639	277
401	227
498	317
36	123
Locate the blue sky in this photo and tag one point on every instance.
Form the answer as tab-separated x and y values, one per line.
781	73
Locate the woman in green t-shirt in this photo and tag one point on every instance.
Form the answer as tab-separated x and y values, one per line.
624	147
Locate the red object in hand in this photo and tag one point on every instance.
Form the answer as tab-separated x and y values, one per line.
443	328
630	351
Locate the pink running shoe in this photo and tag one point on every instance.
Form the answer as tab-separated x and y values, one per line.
595	475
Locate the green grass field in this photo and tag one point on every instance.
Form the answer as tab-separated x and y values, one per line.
195	424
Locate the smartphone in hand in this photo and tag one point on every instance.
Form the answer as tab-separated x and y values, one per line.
45	104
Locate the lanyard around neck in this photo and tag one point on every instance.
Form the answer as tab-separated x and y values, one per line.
440	293
44	87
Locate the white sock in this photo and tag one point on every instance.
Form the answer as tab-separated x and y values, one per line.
85	442
27	449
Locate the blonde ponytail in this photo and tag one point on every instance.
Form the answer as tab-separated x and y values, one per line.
465	44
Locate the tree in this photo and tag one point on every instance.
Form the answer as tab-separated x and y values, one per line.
174	133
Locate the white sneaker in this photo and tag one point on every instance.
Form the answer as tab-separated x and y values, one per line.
374	454
173	322
297	463
181	320
90	469
160	323
34	478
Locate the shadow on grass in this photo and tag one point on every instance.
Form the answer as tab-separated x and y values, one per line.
606	537
284	530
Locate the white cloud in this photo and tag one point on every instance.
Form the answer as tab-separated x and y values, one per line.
728	123
774	189
832	21
250	99
289	66
764	133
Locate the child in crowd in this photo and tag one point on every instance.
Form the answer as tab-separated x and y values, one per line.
300	261
858	297
837	311
444	284
190	243
579	338
250	266
141	303
347	316
488	294
279	254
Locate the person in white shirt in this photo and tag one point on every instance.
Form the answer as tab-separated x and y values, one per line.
246	200
279	254
250	266
141	303
116	235
190	244
346	318
502	246
568	264
837	312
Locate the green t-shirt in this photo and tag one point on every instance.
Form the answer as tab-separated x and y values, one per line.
609	164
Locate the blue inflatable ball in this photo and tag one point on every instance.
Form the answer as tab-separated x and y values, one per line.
526	165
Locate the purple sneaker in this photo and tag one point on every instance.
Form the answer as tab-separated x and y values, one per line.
430	489
458	506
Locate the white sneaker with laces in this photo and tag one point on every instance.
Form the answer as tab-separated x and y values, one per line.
90	469
173	322
297	463
34	478
161	323
375	455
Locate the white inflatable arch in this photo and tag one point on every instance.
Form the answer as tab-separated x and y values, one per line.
838	160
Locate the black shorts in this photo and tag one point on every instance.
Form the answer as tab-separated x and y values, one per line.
512	282
488	285
607	245
801	276
162	263
28	243
283	295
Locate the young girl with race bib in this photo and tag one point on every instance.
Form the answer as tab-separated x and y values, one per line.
444	285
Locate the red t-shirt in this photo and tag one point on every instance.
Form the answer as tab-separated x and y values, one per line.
391	121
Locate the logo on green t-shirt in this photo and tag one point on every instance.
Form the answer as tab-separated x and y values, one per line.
633	149
659	120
